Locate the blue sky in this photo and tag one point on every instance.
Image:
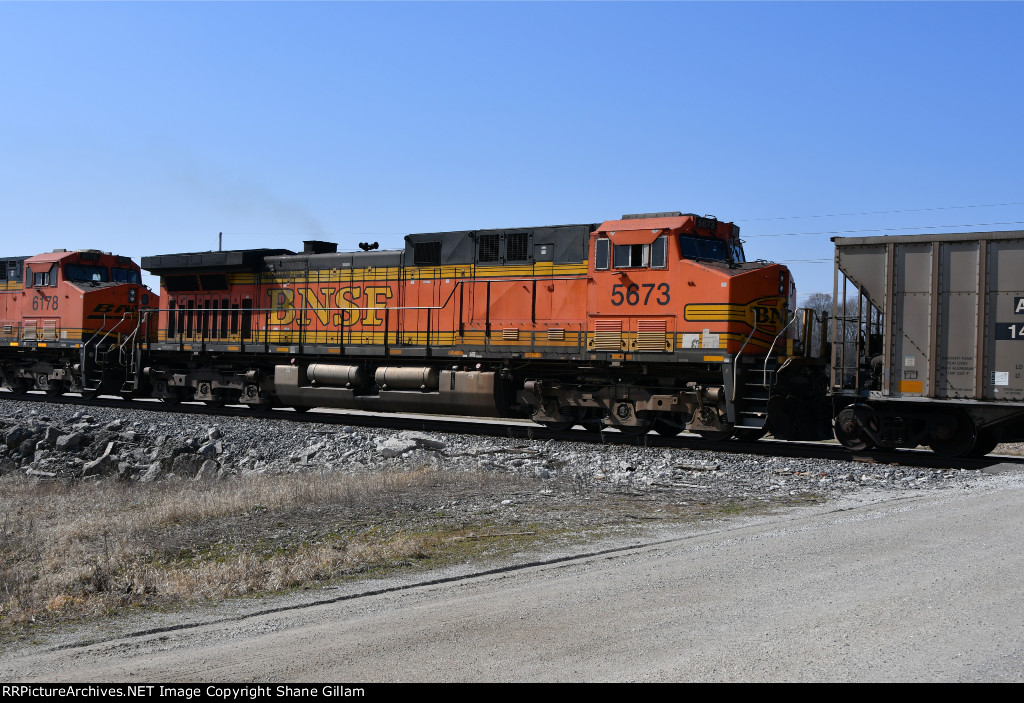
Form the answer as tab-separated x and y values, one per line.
147	128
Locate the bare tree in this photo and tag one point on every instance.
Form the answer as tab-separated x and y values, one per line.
821	304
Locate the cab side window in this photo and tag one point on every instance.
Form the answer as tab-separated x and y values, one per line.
629	256
602	254
41	279
654	255
659	253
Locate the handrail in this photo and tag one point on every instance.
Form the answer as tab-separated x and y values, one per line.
143	317
106	333
736	359
764	371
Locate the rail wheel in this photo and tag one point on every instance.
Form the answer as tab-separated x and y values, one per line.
252	397
55	388
955	436
850	432
20	386
986	442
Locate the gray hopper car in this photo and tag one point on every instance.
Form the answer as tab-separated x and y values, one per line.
928	341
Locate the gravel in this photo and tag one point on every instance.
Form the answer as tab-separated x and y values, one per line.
59	442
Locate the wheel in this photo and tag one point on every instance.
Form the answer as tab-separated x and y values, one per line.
593	425
986	442
955	436
252	397
849	432
173	398
55	388
20	386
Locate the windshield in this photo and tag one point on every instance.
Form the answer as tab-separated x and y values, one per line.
126	275
82	272
703	248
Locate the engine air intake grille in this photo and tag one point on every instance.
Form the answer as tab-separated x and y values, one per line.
608	335
650	335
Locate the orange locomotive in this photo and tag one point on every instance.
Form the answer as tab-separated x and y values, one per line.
70	320
649	321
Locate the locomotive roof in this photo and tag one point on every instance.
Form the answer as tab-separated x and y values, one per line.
61	254
234	260
558	243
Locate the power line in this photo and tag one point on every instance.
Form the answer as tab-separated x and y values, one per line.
878	212
883	229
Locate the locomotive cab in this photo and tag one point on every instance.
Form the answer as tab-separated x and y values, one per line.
65	314
666	278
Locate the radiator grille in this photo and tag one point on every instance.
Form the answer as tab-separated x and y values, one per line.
650	335
556	335
510	334
608	335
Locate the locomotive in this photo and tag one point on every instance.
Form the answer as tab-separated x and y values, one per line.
71	321
652	321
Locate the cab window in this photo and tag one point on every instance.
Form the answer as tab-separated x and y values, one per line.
626	256
86	273
703	248
125	275
40	279
654	255
659	253
602	254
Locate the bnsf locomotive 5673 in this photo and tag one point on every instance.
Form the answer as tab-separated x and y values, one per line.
652	321
638	323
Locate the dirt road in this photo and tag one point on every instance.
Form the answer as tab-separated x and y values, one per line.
907	587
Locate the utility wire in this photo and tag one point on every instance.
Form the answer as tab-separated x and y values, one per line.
877	212
882	229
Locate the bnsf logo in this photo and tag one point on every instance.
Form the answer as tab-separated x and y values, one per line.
115	309
765	314
339	307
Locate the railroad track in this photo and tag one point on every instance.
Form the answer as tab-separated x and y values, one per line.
524	429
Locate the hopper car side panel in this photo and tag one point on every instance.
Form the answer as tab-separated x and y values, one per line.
932	354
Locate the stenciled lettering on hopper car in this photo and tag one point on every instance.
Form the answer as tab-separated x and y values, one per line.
330	306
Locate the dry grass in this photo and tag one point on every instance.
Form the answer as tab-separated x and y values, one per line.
85	549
